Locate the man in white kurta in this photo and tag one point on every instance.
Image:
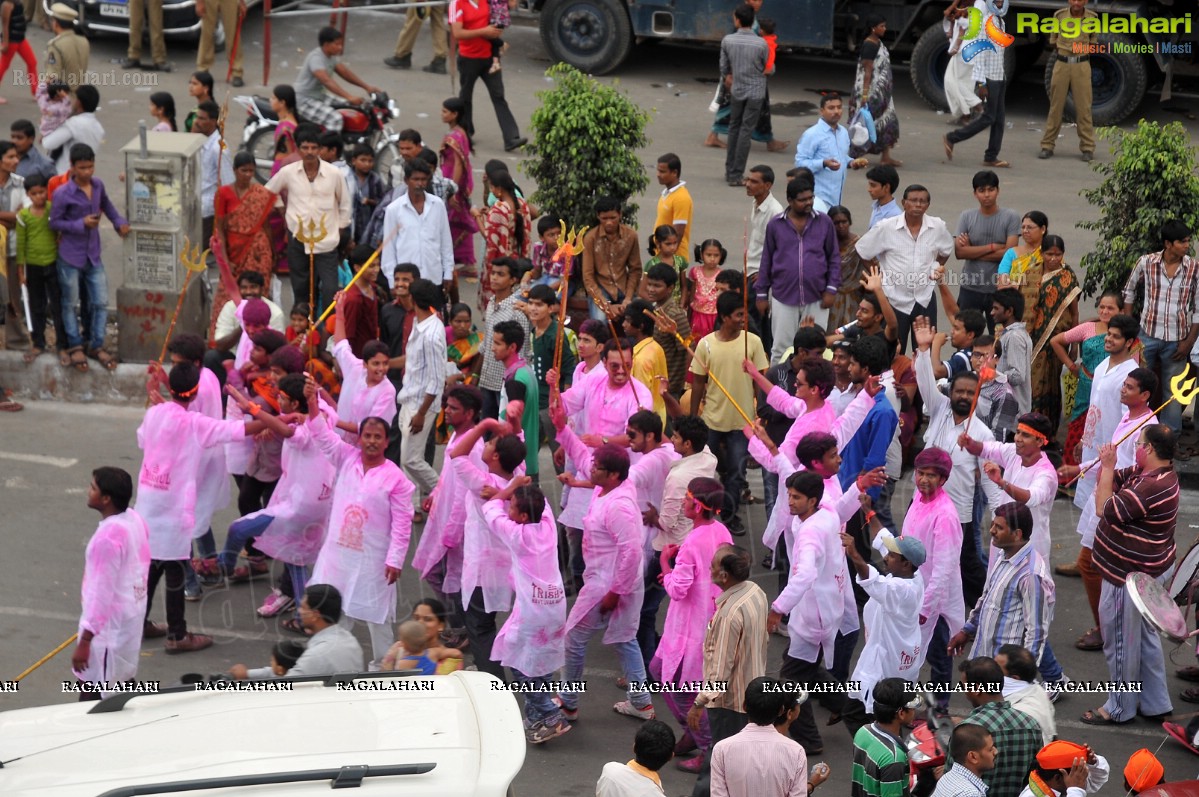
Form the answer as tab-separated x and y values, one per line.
369	527
115	567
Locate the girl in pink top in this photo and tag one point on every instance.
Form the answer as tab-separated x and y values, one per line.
687	578
700	291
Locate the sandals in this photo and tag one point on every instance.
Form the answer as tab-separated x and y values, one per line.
78	359
1188	673
293	625
1000	164
1096	718
8	405
64	359
104	358
1189	695
32	355
1091	640
1179	734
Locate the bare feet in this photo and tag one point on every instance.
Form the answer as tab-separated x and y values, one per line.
713	140
777	145
948	147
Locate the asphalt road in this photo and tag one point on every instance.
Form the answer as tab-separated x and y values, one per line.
47	453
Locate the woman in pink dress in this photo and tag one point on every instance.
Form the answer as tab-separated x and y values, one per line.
455	165
687	580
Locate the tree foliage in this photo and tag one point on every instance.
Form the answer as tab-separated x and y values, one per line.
585	144
1150	181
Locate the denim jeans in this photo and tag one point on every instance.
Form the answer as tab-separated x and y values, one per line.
982	541
1161	352
628	652
647	631
1051	670
299	580
240	532
539	703
770	490
96	281
731	450
939	663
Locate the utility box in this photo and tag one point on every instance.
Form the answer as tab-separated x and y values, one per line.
162	195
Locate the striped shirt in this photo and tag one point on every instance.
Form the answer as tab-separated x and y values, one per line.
1170	302
988	65
424	368
960	782
735	645
1136	527
1016	606
759	761
491	375
880	764
743	55
1018	738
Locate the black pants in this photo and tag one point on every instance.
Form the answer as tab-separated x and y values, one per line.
481	631
491	404
968	298
214	360
974	575
904	331
471	70
647	631
993	117
253	495
176	619
325	266
723	723
45	297
804	673
854	716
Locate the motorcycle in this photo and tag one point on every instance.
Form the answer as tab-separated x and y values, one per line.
927	742
365	125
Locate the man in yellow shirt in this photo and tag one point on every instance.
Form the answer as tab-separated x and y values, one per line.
674	205
649	359
1071	75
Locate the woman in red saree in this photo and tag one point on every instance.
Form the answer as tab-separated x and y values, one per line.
455	165
242	212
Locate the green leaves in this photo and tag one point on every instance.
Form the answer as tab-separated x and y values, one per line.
1150	181
585	141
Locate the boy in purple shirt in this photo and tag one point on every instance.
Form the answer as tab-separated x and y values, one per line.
75	213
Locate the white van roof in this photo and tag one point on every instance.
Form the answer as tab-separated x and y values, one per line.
468	735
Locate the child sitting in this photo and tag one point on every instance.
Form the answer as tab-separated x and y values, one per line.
664	248
545	270
413	651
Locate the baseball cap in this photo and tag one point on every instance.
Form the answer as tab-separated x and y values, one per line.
909	548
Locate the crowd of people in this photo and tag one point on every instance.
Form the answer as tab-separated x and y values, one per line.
818	364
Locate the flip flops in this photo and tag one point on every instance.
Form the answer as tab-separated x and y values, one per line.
1179	734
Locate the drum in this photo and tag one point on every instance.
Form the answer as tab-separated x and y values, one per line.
1156	606
1188	567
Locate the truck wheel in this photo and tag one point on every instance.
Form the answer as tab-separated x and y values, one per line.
930	57
1118	82
262	146
594	36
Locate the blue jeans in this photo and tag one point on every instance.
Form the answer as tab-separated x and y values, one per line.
240	532
1051	671
770	490
731	450
628	653
1161	352
940	665
539	705
647	631
96	281
299	580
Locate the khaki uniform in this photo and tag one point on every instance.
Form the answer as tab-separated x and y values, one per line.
412	26
66	58
1071	75
227	12
35	13
158	44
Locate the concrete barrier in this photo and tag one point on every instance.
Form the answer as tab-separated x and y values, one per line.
44	379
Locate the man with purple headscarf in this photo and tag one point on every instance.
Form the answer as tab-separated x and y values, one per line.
933	519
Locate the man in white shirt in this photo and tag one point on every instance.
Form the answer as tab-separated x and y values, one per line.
653	747
758	185
419	398
81	128
216	167
316	193
690	441
421	229
908	249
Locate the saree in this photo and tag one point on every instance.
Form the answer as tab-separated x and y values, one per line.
1050	308
284	131
849	295
462	352
455	152
880	101
247	238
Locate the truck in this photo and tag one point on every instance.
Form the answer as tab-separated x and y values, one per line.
1136	56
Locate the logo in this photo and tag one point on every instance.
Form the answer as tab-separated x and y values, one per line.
990	24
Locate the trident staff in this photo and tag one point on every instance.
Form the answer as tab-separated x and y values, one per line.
310	237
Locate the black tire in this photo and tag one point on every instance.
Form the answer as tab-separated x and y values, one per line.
930	57
595	36
1118	83
262	146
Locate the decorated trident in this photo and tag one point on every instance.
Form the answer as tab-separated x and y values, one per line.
194	260
310	239
1183	392
570	246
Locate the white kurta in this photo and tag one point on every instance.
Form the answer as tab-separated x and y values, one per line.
649	477
532	640
358	400
301	503
171	437
1103	415
115	569
442	536
486	564
369	528
935	523
614	558
212	480
1039	478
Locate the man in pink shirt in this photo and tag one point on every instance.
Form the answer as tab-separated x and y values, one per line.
761	759
607	403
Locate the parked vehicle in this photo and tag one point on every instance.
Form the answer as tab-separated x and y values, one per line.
366	125
179	20
598	35
927	743
393	734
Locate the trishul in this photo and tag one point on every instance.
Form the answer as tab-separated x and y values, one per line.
311	238
570	245
194	260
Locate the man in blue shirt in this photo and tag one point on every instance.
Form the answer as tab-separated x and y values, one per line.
824	148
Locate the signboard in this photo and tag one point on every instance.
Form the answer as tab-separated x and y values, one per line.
154	260
155	198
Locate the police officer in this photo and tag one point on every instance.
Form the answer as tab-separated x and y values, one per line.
230	13
139	10
67	53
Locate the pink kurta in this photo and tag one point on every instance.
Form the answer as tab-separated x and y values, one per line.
532	639
692	603
359	400
486	564
369	528
212	480
301	503
612	552
171	438
935	523
445	528
115	568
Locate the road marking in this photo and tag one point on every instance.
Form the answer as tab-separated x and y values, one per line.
39	459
